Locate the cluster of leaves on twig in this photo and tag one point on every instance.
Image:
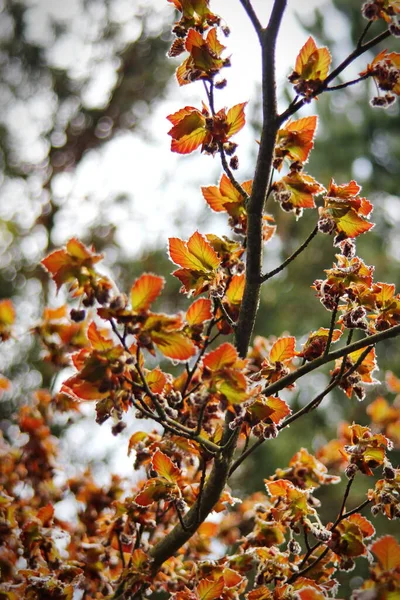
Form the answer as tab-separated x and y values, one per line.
156	536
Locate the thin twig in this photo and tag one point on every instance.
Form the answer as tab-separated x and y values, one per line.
364	33
312	405
245	454
201	487
358	51
332	326
343	506
227	317
201	417
121	552
200	355
356	509
230	175
181	521
342	86
307	543
291	257
252	16
275	387
341	516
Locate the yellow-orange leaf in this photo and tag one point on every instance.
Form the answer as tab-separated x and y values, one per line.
313	62
145	290
201	249
235	119
98	341
196	255
352	225
173	344
7	312
209	589
235	290
387	551
295	140
165	467
5	384
224	356
283	349
199	312
156	380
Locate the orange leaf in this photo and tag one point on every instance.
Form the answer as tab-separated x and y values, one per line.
79	389
145	290
283	349
139	559
96	338
173	344
365	526
201	249
295	140
165	467
224	197
387	551
233	385
302	189
235	290
235	119
197	254
199	312
156	380
7	313
310	593
210	590
189	130
156	489
353	225
313	62
279	409
224	356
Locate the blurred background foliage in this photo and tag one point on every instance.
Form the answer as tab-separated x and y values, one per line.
74	77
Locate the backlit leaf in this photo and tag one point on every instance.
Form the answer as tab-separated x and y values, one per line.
283	349
387	551
313	62
145	290
209	589
197	254
98	341
199	312
173	344
156	489
224	356
234	293
156	380
295	141
235	118
165	467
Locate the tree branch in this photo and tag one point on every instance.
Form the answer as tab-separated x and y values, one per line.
255	206
275	387
312	405
222	462
252	16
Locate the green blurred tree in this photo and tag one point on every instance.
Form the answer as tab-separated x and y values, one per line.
74	77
